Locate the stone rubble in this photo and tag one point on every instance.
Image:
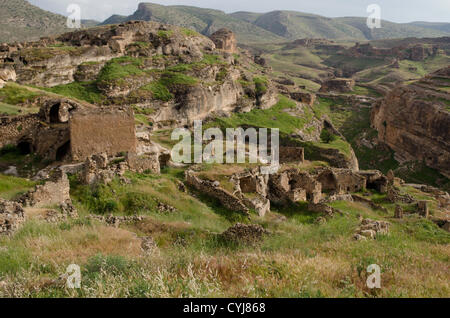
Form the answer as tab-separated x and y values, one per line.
369	229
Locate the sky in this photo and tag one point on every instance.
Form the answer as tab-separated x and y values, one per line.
391	10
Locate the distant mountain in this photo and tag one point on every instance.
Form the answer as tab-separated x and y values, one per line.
115	19
391	30
295	25
440	26
279	25
205	21
21	21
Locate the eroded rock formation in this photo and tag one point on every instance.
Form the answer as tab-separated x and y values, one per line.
414	121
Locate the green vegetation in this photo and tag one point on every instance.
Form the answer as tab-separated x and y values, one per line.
326	136
159	91
173	79
11	187
260	85
14	94
300	258
121	68
274	117
165	34
86	91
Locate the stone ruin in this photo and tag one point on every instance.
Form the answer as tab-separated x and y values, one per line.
246	234
67	130
55	191
256	191
369	229
110	130
11	216
338	85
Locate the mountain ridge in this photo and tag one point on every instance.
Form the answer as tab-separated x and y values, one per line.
279	25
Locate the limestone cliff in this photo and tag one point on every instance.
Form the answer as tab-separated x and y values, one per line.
173	75
414	121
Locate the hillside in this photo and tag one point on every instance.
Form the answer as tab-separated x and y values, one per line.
390	30
21	21
89	174
278	25
205	21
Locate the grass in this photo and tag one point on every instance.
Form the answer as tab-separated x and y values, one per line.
86	91
120	68
16	110
11	187
300	258
275	117
14	94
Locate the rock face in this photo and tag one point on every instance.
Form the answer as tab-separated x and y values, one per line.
225	40
340	85
414	122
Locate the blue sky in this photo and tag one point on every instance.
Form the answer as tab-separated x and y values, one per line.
392	10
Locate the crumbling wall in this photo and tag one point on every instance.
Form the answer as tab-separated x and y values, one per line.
54	192
102	130
214	190
292	154
144	163
13	129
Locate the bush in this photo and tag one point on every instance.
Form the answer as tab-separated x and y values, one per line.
327	137
260	85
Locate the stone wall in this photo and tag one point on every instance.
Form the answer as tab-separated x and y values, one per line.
341	85
102	130
13	129
53	192
143	163
214	190
292	154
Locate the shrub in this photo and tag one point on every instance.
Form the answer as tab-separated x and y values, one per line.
260	85
327	137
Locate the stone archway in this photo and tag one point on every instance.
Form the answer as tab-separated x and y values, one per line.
54	113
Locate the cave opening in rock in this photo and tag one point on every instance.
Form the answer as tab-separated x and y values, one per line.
54	113
63	151
25	147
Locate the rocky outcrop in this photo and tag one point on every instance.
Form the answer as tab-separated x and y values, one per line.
225	40
7	74
413	121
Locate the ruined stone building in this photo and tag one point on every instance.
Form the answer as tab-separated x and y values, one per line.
65	129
